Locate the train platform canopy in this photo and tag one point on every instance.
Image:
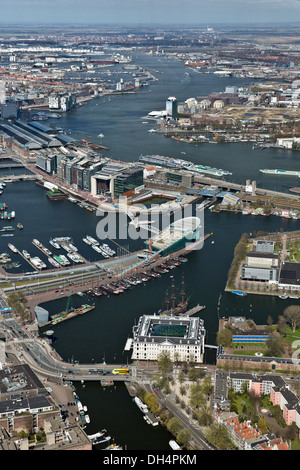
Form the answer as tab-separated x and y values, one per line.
41	127
65	139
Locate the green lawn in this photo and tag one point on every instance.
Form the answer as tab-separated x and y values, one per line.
294	339
295	445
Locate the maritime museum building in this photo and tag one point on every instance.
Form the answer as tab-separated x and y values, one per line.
180	336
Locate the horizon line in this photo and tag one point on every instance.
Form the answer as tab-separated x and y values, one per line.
205	23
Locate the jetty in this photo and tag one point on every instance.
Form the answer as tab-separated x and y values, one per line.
60	317
194	310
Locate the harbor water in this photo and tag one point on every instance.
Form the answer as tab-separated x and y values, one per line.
101	334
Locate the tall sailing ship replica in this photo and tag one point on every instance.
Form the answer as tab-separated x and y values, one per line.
172	304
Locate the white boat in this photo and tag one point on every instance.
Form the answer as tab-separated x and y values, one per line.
87	419
87	241
281	172
12	248
97	248
101	440
74	257
97	435
205	170
36	242
59	260
45	250
38	263
62	239
107	250
53	262
113	447
66	248
173	444
141	405
92	240
65	260
54	244
25	254
73	247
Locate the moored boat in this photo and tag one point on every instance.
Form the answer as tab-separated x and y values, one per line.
239	292
92	240
8	228
97	435
38	263
12	248
54	244
141	405
101	440
53	262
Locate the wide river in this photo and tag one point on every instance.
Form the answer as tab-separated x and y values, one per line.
102	333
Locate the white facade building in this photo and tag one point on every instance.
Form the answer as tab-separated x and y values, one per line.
54	102
2	92
182	337
62	102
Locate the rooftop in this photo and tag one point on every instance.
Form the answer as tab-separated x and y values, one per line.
19	405
290	273
18	377
178	230
174	329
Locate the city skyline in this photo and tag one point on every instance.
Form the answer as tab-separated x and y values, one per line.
191	12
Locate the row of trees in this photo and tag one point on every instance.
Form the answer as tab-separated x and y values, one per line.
196	404
239	254
18	302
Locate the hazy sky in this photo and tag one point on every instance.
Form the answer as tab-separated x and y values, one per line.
149	11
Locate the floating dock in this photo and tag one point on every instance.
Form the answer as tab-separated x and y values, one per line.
67	315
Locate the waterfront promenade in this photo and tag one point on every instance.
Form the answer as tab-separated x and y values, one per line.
221	184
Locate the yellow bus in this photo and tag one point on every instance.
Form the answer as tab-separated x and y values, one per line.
120	371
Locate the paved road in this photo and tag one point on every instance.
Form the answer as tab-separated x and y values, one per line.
40	356
195	429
